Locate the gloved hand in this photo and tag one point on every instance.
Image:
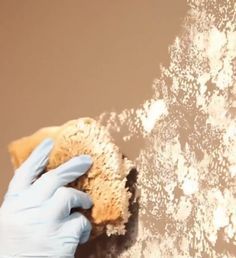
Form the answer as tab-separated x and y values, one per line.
35	219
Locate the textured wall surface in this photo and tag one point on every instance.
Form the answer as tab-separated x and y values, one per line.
181	131
187	166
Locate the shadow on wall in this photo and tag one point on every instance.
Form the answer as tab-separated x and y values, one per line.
100	246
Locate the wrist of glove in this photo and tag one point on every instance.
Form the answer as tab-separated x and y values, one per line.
35	217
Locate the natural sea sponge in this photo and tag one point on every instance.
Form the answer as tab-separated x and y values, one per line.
106	180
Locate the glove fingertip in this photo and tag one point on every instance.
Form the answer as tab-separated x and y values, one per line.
79	164
39	157
43	149
86	233
47	143
87	203
83	159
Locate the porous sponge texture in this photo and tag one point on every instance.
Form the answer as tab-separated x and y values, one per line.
105	181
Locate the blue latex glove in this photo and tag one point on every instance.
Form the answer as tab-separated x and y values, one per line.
35	218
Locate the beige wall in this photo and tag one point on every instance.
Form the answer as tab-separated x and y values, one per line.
60	60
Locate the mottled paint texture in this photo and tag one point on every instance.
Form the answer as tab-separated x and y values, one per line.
187	168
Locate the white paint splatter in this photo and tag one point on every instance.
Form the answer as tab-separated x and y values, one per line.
188	166
220	217
150	113
190	186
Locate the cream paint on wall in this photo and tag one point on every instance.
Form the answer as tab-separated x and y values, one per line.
187	169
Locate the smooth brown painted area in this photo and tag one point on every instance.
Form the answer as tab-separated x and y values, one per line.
61	60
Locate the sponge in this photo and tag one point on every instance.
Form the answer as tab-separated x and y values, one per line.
106	180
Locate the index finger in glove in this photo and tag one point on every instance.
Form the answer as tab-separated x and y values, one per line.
66	173
31	167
